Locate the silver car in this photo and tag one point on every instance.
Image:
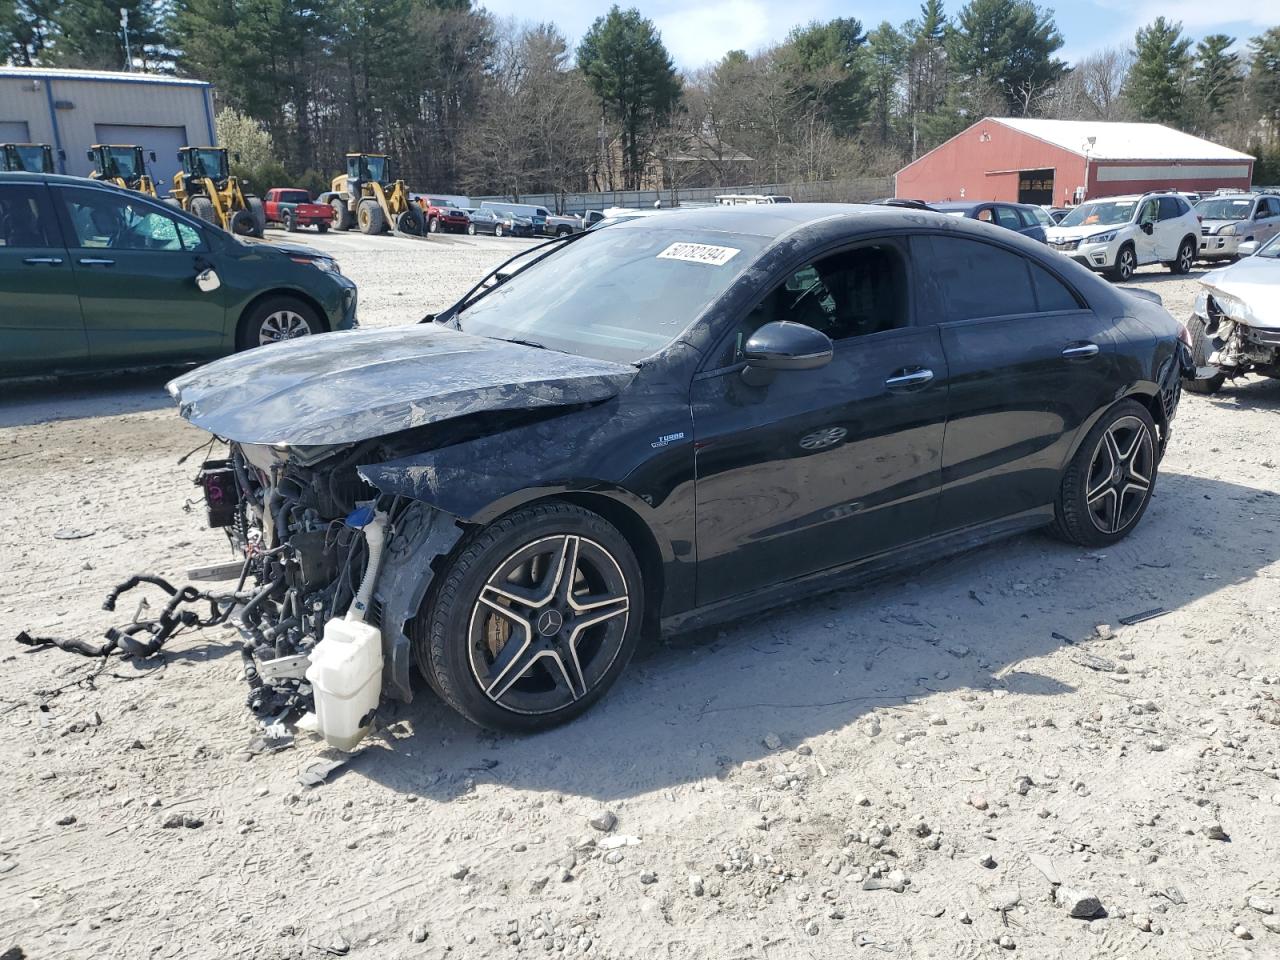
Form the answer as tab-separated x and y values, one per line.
1228	220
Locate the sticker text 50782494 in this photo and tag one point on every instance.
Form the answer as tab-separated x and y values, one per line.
699	253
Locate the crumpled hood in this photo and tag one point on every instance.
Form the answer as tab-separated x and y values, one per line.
356	384
1062	234
1248	291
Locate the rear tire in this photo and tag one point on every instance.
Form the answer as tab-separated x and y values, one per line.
322	227
275	319
1107	486
369	217
579	633
243	224
1185	259
202	207
471	229
410	222
342	219
497	230
290	224
259	214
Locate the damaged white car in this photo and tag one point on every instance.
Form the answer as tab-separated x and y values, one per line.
1235	325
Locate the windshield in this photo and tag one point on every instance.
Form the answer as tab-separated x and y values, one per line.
294	196
1224	208
210	163
124	162
1042	218
31	159
375	168
1271	249
1101	213
620	294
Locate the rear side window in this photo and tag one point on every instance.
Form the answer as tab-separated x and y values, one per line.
1170	208
1008	217
971	280
1051	293
26	217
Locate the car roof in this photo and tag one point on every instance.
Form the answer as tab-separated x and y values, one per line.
17	176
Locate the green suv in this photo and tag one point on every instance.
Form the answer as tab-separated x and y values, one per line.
94	276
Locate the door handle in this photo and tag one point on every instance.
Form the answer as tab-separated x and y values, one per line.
95	262
1080	350
52	261
909	378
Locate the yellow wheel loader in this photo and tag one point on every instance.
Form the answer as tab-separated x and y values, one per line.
27	157
123	165
204	187
366	197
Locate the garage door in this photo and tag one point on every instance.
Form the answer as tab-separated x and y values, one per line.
164	141
14	131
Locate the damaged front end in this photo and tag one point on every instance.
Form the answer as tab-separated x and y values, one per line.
1238	341
338	570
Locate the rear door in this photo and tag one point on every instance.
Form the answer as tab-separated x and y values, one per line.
41	327
1170	227
1267	219
135	267
1029	364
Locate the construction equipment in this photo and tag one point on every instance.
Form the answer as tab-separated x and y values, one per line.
365	196
27	157
205	187
123	165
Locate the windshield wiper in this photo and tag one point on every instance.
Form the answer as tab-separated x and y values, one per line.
479	291
523	343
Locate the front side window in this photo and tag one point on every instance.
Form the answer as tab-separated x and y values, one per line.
1150	211
854	293
26	220
971	280
1007	217
102	220
1042	217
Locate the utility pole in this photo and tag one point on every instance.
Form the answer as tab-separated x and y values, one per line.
128	54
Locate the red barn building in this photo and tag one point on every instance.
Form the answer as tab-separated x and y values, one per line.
1060	162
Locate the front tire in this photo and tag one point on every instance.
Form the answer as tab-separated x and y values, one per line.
276	319
1107	485
259	213
1126	265
1196	327
369	217
533	620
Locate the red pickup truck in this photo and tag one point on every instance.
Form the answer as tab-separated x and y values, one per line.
292	208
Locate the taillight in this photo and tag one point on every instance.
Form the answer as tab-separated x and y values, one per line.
1184	334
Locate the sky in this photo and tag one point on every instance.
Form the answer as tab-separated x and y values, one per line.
697	32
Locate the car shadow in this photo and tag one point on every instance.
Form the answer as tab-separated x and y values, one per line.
1250	393
48	399
694	706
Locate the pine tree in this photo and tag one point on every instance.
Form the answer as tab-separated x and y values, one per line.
90	34
1157	83
888	53
1216	77
1008	45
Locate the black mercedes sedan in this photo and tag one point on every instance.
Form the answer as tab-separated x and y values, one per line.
678	420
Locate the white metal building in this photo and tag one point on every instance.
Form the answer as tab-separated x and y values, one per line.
74	109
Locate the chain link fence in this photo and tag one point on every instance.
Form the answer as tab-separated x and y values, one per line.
824	191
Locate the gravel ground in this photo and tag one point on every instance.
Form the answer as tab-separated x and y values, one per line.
906	770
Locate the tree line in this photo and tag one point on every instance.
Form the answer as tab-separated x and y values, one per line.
465	102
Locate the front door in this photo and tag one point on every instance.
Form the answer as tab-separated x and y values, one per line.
135	268
1029	364
821	467
40	324
1146	239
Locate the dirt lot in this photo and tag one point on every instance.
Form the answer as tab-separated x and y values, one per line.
895	771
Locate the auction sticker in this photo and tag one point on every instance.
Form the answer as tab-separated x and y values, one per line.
699	253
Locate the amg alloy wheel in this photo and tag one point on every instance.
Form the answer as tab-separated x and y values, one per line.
1107	485
1120	475
534	619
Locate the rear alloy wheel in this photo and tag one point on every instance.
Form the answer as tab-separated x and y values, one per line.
497	230
275	320
1107	486
1126	265
1186	258
471	229
534	619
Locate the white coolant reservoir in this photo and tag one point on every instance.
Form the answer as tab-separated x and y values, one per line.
346	679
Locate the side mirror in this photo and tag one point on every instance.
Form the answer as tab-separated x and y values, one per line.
153	156
1148	228
208	280
235	157
62	155
1248	248
784	345
89	154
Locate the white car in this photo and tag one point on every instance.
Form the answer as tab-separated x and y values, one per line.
1235	324
1116	235
1228	220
